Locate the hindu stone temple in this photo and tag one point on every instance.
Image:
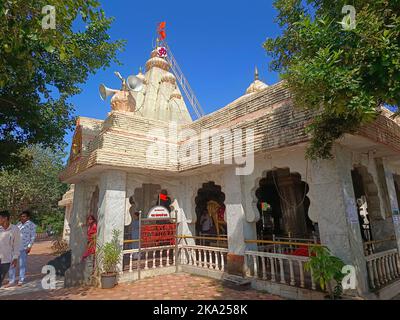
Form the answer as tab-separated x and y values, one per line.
245	166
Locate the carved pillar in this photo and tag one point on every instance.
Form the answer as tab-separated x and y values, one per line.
78	232
293	215
238	227
112	192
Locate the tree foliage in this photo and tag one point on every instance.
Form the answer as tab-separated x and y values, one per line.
347	75
41	68
36	187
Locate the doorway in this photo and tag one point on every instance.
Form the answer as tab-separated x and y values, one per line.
283	206
210	210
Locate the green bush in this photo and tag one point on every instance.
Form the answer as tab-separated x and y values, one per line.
325	268
108	255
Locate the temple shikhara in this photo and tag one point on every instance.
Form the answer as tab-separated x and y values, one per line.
236	186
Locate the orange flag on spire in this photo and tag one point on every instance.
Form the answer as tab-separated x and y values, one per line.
161	30
161	25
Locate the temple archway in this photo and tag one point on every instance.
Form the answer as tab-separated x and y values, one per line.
283	206
143	199
210	203
397	188
373	225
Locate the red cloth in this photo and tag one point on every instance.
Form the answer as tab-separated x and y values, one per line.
162	35
91	240
161	30
162	25
302	251
163	197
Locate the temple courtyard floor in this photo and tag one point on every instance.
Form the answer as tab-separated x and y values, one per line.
178	286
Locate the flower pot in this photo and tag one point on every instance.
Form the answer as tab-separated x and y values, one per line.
108	280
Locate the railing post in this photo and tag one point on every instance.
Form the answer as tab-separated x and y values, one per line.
282	271
130	262
371	274
292	280
301	271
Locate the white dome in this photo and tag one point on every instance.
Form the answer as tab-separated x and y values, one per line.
256	85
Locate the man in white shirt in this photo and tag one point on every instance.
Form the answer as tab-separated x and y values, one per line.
28	235
10	244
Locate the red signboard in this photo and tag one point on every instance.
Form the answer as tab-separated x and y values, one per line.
158	235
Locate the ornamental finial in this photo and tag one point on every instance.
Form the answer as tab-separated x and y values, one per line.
255	73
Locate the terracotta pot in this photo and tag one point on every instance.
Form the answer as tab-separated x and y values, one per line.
108	280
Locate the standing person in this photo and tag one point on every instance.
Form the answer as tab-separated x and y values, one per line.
206	223
28	235
207	227
10	244
91	237
135	233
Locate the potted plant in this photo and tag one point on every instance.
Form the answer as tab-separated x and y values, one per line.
326	270
108	257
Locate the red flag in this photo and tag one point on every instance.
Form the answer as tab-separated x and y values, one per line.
161	25
161	30
162	35
163	197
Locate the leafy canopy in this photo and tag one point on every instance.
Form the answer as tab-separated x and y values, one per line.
36	187
41	68
344	75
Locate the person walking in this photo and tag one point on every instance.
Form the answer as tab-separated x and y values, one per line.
28	235
10	244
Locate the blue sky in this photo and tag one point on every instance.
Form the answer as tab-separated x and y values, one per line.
216	43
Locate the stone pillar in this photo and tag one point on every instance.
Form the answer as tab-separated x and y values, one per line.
394	202
333	207
383	227
78	220
112	194
67	219
293	215
238	227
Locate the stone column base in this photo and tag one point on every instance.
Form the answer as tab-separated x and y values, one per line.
235	264
79	274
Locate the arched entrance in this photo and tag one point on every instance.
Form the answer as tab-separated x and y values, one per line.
373	226
210	210
360	178
142	200
283	206
397	188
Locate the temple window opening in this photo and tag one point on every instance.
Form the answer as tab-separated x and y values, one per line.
210	211
375	232
283	206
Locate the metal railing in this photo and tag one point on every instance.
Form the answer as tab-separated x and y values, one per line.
176	70
371	247
285	244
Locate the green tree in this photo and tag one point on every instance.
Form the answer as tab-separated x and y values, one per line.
346	74
35	186
41	68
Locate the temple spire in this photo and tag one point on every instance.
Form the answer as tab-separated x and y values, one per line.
255	73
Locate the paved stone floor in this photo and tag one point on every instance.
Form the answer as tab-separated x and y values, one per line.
39	256
179	286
